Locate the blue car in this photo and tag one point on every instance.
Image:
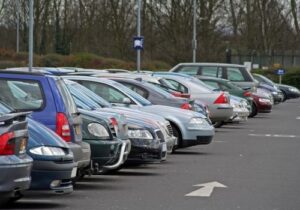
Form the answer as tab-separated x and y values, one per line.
15	164
51	104
53	163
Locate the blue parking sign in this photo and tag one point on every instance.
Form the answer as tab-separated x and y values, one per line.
138	42
280	71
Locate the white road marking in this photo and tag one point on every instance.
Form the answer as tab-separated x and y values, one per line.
274	135
27	200
206	189
298	118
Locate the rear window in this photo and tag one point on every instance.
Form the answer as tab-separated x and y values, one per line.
238	74
22	95
190	70
67	97
211	71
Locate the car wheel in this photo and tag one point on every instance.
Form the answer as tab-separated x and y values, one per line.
254	111
218	124
176	133
284	96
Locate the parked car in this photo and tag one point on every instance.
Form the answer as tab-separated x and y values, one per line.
148	140
262	103
159	96
267	84
191	128
53	163
15	164
240	109
237	74
51	104
289	92
108	139
218	102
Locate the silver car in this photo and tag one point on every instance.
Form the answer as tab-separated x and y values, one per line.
189	127
15	164
218	102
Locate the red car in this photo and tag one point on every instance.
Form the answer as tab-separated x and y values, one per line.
261	104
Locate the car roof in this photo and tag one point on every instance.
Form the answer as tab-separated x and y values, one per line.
211	78
25	70
86	78
212	64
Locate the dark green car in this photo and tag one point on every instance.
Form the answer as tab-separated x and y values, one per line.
225	85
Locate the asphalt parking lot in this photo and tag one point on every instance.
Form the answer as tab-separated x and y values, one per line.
252	165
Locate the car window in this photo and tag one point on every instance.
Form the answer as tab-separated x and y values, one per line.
21	100
67	97
107	92
212	84
224	87
234	74
190	70
178	86
4	109
137	89
211	71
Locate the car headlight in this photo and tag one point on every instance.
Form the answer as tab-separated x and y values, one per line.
139	134
48	151
197	123
264	100
293	90
274	93
98	130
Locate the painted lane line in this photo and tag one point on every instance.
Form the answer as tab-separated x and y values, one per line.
274	135
298	118
206	189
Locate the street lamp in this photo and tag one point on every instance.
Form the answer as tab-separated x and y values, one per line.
194	40
30	34
18	25
139	43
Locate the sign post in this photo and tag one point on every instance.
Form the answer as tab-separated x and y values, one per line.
280	73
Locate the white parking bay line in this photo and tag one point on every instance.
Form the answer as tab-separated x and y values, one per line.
274	135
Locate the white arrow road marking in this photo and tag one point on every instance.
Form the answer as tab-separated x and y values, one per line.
206	190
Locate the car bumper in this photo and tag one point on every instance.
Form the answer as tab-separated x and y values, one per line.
171	141
15	174
82	154
264	108
201	140
198	137
220	112
240	115
147	154
54	176
278	97
122	156
291	95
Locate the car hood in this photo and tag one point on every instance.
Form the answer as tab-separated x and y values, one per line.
40	135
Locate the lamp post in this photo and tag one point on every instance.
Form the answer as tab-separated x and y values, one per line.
194	40
18	25
30	34
138	58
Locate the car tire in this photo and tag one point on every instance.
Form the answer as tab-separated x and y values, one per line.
176	133
284	96
254	111
218	124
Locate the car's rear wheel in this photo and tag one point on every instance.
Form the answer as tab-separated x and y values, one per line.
218	124
254	111
284	96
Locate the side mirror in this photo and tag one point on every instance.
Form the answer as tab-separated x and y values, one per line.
126	101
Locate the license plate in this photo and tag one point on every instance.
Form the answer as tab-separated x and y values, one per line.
164	147
74	172
78	130
23	144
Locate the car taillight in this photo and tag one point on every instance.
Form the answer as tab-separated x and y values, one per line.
63	127
247	94
7	144
186	106
181	95
222	99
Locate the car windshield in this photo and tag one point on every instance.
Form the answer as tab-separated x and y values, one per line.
133	94
81	100
267	80
91	95
67	97
159	90
202	87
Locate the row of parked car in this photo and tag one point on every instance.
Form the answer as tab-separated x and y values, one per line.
58	125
